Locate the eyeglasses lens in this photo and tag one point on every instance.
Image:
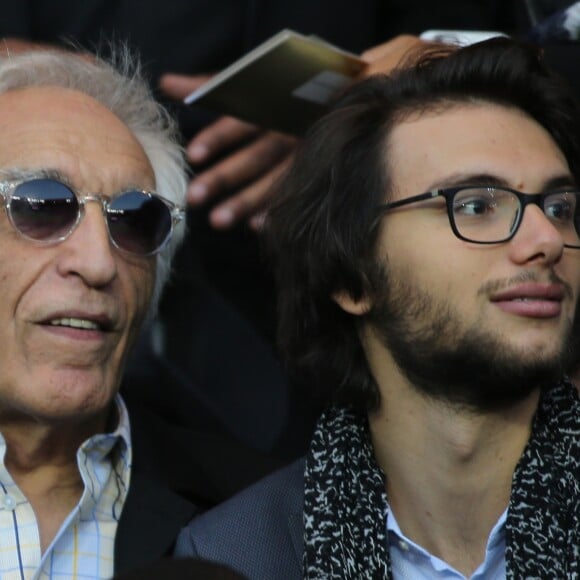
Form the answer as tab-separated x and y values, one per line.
138	223
43	209
489	214
485	214
562	210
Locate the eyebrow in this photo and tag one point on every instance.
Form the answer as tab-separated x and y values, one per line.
17	173
458	179
560	182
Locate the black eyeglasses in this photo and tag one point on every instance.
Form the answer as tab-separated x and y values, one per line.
48	211
490	214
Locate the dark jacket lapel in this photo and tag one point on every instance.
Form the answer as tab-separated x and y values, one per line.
151	519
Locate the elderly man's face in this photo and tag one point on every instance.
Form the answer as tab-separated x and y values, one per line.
474	324
68	311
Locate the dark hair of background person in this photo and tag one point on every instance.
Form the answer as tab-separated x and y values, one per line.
323	225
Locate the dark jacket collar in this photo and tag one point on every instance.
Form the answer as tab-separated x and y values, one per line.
151	519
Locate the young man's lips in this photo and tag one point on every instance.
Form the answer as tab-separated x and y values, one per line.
531	300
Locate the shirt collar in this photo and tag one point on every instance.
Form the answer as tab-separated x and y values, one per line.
100	445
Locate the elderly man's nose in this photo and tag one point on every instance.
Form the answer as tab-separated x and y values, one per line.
89	252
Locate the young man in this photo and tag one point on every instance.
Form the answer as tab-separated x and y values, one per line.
427	240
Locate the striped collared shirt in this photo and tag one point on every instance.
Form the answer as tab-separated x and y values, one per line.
84	545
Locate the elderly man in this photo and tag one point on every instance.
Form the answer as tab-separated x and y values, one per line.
92	179
86	243
429	263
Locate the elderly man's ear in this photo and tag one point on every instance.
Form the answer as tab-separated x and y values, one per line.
355	306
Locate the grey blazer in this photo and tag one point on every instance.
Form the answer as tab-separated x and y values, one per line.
258	532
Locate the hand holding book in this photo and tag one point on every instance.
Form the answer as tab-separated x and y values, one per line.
263	154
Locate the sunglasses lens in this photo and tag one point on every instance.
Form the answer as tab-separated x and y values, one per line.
43	209
139	223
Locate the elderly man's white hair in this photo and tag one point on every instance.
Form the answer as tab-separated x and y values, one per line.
120	88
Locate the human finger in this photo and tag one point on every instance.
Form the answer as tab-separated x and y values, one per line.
219	136
179	86
241	167
382	59
249	203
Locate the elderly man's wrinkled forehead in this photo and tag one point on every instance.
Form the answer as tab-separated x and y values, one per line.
68	131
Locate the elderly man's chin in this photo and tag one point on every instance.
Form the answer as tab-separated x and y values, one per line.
51	378
57	396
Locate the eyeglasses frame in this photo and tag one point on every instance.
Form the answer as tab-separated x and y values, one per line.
449	193
8	187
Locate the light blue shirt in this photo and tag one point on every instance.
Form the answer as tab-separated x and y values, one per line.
84	547
410	561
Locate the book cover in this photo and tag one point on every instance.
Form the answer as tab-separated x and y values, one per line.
284	84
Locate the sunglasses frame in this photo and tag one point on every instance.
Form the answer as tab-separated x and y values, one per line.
8	189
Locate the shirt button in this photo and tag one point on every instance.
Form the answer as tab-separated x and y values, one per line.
404	546
8	502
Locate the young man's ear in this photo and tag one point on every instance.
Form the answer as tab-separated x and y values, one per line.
357	307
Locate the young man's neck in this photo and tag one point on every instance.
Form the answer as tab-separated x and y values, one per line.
448	470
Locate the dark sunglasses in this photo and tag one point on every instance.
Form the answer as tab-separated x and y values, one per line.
48	211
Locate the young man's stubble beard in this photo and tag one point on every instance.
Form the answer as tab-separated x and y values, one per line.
460	362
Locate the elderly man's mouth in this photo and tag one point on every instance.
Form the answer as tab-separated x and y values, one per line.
76	323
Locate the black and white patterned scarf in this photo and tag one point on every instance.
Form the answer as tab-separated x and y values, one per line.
345	503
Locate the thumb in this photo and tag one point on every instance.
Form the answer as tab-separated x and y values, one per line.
179	86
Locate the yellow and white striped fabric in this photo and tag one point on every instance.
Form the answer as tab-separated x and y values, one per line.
84	545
